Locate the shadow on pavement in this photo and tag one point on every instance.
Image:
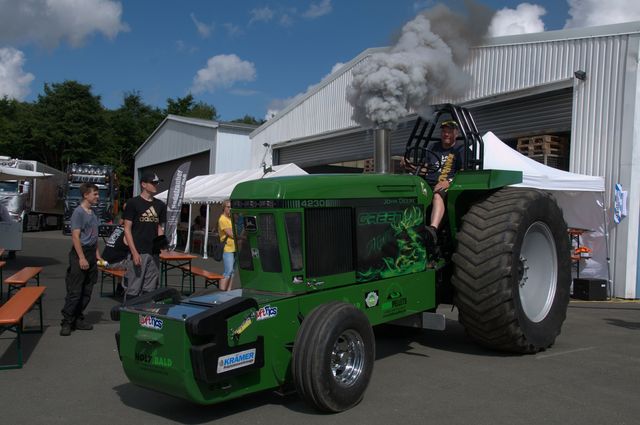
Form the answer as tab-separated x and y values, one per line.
185	412
8	346
624	324
452	339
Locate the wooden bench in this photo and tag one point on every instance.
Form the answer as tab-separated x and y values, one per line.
13	312
115	274
20	279
210	278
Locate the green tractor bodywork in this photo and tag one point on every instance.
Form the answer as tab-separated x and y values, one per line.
321	258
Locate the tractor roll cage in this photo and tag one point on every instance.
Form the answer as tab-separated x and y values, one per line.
468	132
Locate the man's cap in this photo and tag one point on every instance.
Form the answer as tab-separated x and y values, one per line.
150	177
449	123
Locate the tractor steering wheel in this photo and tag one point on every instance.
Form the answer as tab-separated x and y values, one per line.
422	161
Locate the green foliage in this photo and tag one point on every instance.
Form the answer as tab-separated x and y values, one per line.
187	107
128	127
248	119
67	123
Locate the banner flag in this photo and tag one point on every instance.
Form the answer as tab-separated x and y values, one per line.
174	203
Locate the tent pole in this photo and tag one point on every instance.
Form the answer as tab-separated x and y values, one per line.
610	284
206	233
188	243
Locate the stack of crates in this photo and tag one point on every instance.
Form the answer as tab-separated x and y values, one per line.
369	166
547	149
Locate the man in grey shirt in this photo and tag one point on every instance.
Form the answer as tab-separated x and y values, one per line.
82	272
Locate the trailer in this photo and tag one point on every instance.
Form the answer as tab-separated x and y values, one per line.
37	203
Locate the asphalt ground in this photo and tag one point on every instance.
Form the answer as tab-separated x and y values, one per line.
590	376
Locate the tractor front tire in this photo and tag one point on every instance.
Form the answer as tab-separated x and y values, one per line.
512	271
333	357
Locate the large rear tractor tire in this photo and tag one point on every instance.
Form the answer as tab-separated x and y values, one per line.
512	271
333	357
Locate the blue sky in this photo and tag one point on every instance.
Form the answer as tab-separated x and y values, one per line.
244	57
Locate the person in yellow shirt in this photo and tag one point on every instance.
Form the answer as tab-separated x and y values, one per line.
228	258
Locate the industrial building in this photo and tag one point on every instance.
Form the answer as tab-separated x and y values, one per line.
211	146
578	84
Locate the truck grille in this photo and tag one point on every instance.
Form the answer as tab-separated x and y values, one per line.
329	241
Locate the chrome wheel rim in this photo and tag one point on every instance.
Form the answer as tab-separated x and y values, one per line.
537	272
347	358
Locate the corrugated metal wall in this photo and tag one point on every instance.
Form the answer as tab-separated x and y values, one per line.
175	140
540	114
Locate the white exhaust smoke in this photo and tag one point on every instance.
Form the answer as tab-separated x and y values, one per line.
425	62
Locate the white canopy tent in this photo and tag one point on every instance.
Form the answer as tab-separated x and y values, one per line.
215	188
12	173
581	198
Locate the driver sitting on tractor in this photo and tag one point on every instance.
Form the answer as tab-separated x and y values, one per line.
445	161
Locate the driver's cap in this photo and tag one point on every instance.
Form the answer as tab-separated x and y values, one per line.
449	123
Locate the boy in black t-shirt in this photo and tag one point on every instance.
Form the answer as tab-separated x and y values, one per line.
144	217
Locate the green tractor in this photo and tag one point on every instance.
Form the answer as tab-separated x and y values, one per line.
324	258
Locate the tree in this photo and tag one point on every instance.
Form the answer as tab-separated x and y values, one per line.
187	107
248	119
8	126
70	124
129	126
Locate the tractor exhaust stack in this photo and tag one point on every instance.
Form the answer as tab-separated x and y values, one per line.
382	151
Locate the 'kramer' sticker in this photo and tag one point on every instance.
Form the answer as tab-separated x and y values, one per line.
236	360
150	322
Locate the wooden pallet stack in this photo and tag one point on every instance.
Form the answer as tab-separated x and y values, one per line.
547	149
369	166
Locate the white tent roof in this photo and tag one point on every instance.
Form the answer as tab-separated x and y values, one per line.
12	173
218	187
499	156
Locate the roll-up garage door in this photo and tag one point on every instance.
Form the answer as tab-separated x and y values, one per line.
545	113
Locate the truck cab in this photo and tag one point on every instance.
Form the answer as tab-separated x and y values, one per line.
105	178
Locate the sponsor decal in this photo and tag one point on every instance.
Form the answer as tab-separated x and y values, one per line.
150	322
153	360
266	312
236	360
371	299
395	303
297	279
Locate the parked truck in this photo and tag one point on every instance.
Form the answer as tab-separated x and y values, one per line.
324	258
36	203
103	176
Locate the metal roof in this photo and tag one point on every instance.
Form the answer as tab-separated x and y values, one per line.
242	127
291	123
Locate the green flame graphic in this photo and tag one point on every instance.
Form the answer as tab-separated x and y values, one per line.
412	255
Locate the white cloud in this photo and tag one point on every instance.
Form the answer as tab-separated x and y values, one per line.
232	30
263	14
203	29
524	19
181	46
223	71
286	20
587	13
335	67
49	22
14	82
317	10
